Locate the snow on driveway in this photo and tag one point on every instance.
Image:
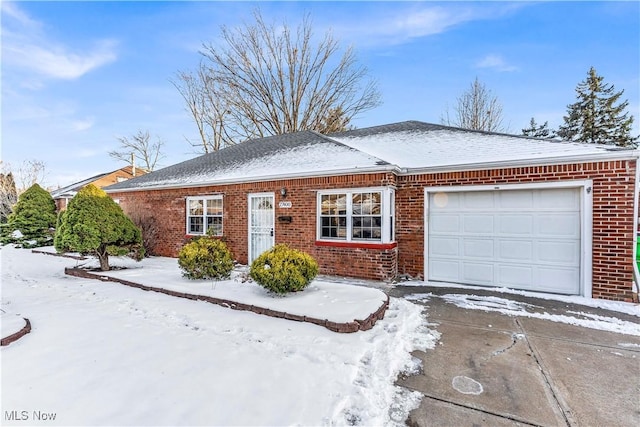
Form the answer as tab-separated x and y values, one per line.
105	354
516	308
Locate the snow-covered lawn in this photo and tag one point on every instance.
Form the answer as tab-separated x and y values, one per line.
105	354
321	299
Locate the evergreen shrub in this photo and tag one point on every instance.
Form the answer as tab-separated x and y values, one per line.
282	269
95	224
32	222
205	258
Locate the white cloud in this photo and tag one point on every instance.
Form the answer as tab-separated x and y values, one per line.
80	125
496	62
26	47
9	9
407	21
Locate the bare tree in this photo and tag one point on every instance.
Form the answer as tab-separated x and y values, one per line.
8	193
476	109
266	80
139	147
30	172
206	106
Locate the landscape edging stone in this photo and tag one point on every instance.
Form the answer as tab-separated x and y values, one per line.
340	327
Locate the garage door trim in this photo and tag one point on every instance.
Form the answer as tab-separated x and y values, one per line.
586	208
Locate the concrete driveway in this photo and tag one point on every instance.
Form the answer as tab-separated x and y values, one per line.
492	369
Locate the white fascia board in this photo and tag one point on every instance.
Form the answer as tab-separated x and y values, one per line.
543	161
278	177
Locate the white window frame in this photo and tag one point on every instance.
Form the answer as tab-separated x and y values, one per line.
387	212
204	215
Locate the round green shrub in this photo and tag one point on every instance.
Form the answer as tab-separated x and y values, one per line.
205	258
282	269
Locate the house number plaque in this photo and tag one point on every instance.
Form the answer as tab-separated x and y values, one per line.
285	205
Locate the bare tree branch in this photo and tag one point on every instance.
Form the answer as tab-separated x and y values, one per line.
263	80
30	172
8	192
476	109
141	148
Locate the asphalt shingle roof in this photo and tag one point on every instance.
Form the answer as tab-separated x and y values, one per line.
301	153
403	146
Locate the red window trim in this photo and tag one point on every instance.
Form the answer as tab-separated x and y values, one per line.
361	245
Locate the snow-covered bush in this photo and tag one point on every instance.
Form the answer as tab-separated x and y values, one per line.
94	224
33	219
282	269
205	258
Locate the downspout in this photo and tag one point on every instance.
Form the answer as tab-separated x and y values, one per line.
636	194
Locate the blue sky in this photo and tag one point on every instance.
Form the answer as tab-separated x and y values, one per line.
78	75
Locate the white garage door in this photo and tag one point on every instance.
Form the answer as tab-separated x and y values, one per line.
523	239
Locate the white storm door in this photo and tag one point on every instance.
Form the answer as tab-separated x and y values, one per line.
261	224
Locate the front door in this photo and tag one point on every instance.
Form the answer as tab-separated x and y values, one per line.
261	224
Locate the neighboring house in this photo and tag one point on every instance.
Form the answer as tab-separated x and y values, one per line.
62	195
413	199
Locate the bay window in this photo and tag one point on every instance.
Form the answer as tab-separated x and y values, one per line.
356	215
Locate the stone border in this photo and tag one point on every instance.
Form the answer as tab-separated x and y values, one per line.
77	257
348	327
15	337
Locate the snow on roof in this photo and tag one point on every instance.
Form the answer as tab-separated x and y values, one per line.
416	145
404	146
297	154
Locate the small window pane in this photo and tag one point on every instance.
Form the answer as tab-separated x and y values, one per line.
214	225
195	207
196	225
366	203
214	207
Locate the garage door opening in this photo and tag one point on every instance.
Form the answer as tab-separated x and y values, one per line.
509	236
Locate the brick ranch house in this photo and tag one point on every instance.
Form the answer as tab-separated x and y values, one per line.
427	201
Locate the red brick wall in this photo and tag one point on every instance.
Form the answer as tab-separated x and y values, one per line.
613	191
169	208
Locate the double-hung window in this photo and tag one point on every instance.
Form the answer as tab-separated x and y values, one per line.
204	215
356	215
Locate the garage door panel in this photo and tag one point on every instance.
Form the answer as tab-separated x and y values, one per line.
560	280
445	247
559	252
516	199
477	200
516	250
478	248
559	225
558	198
445	223
477	273
444	270
526	239
516	224
444	201
520	276
479	223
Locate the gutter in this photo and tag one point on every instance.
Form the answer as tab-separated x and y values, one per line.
542	161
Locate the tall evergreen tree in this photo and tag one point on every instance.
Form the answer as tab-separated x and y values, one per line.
598	115
34	216
94	224
538	131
